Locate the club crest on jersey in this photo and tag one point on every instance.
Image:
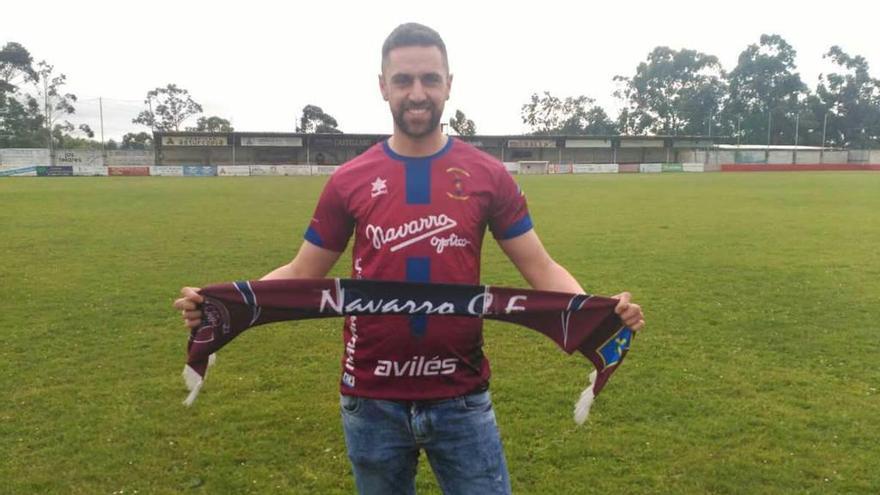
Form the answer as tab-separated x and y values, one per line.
458	176
379	187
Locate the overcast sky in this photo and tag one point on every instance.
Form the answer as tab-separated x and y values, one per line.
258	63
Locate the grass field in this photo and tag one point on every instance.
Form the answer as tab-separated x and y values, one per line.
758	372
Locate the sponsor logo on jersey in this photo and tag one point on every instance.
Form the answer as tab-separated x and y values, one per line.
379	187
441	243
458	176
417	366
410	232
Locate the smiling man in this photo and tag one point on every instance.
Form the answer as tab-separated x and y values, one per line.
418	205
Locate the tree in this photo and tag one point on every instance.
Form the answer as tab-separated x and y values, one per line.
21	123
314	120
462	125
673	92
57	107
851	100
211	124
597	123
16	67
578	115
764	89
31	119
139	141
167	108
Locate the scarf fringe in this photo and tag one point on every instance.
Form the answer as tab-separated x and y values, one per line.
583	405
194	381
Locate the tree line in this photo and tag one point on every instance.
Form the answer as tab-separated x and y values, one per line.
36	111
762	100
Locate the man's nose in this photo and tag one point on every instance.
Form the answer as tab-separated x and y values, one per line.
418	92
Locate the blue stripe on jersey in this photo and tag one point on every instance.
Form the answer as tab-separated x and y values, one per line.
418	269
418	181
417	173
313	237
521	226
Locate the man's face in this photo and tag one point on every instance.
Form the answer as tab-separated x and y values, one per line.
415	82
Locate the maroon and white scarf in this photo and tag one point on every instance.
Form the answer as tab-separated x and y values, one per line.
576	322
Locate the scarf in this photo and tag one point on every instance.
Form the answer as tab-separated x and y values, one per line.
575	322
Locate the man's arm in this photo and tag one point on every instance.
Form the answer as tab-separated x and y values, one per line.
534	263
543	273
310	261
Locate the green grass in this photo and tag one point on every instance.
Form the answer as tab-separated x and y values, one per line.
758	371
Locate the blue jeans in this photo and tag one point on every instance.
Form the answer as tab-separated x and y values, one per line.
459	435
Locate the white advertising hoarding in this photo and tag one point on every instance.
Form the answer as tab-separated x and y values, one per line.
194	141
89	170
281	170
287	142
594	168
167	171
233	170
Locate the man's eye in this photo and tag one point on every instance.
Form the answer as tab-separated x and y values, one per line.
431	80
402	80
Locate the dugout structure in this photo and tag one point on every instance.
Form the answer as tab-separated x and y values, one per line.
535	152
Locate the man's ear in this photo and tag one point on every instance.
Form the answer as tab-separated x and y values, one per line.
449	86
382	88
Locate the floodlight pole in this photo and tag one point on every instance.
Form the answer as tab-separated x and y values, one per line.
824	128
738	137
101	112
48	121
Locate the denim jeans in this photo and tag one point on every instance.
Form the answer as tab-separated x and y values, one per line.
460	438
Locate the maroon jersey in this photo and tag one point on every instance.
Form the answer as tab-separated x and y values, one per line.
420	220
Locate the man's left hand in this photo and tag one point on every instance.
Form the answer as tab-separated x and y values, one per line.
629	312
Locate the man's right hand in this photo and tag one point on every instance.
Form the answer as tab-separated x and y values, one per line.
188	306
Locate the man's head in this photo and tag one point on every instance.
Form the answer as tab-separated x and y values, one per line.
415	78
413	34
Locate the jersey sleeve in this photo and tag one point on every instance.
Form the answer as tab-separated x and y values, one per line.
332	223
508	211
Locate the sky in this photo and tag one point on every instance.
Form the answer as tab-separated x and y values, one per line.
257	63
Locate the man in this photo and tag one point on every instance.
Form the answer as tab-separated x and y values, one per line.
418	205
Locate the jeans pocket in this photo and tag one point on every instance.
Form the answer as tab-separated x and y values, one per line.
478	402
349	403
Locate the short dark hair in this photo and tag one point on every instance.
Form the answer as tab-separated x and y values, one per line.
413	34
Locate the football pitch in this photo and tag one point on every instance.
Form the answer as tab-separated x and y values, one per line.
758	371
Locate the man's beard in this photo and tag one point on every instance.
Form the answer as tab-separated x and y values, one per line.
433	120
